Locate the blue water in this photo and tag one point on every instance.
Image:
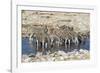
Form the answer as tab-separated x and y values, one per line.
86	44
27	49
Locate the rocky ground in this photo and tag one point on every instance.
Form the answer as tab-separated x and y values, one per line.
57	56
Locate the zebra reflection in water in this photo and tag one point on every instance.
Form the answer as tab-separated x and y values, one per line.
54	43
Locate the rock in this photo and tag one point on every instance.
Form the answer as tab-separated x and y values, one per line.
42	59
62	53
24	56
76	53
81	50
32	55
39	54
57	56
27	60
53	58
62	58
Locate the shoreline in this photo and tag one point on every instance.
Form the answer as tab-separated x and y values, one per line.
57	56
